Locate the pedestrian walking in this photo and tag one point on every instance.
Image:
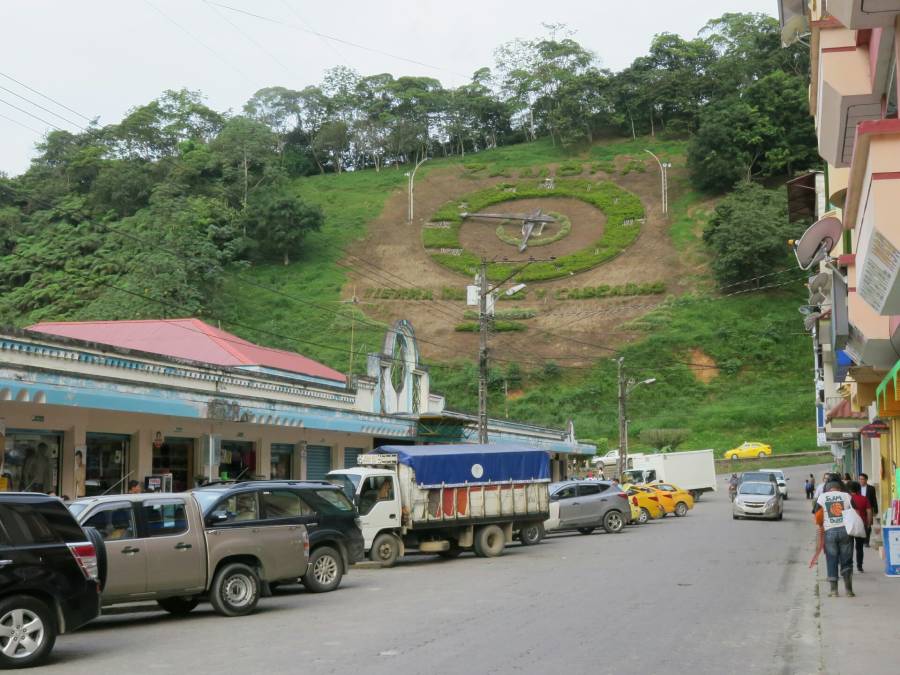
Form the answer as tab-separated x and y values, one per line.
832	537
810	486
863	507
820	488
868	492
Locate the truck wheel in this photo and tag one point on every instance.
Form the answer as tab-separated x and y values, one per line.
27	632
489	541
325	570
179	605
385	550
681	509
644	517
234	590
531	534
613	522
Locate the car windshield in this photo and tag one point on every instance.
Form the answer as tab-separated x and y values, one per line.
757	489
747	477
207	498
348	482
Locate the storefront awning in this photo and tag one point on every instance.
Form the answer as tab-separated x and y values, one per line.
874	430
886	393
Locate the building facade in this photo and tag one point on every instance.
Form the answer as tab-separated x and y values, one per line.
854	306
87	407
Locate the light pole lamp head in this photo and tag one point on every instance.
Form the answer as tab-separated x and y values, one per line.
650	380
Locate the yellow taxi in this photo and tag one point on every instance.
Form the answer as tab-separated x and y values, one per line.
644	504
749	450
673	498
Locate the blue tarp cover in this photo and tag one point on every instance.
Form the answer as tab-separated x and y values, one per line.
453	465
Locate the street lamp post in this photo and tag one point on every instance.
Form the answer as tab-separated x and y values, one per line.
625	388
664	181
412	178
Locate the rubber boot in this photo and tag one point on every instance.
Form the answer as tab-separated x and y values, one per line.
833	593
848	585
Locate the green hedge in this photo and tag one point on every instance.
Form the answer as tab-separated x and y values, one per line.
515	314
604	291
497	327
570	169
564	229
619	205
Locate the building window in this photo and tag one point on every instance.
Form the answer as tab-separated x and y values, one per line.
30	461
175	456
104	466
237	459
281	462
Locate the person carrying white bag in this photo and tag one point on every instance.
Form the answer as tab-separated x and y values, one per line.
838	520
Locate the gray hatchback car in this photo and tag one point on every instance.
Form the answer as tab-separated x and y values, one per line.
585	505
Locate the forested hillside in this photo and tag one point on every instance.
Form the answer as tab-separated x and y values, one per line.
245	218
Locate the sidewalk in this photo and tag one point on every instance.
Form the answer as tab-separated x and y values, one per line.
860	635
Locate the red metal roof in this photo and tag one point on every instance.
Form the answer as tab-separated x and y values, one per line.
189	339
843	410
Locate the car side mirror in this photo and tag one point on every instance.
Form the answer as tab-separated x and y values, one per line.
554	498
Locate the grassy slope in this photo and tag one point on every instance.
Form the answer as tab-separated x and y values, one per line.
761	394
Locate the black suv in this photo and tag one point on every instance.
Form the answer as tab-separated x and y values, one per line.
50	576
335	540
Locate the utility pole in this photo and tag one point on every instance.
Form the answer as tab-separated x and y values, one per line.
623	429
483	321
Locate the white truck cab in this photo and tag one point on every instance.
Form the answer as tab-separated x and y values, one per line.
377	496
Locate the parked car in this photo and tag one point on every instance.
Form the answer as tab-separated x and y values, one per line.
647	502
757	476
608	460
673	498
780	479
175	549
757	499
585	505
749	450
335	539
50	576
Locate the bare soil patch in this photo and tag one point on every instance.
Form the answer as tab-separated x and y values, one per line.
704	366
478	235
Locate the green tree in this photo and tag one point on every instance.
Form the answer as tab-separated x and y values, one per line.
748	234
278	223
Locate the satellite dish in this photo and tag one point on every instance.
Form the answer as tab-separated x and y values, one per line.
794	29
817	298
839	197
810	321
817	241
819	282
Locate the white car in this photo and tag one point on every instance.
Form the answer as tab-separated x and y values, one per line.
610	459
782	481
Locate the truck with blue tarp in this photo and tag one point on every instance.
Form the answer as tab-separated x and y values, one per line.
446	499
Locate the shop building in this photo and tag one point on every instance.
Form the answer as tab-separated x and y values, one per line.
854	305
87	407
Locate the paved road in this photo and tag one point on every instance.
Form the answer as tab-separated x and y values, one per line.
701	594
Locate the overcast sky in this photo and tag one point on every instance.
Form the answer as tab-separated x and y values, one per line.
102	57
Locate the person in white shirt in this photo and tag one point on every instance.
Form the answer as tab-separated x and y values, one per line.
838	544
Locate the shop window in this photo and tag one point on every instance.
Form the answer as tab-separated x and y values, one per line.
237	459
175	456
104	465
30	462
281	462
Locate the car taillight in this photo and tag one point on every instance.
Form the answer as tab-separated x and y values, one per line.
634	501
86	556
622	495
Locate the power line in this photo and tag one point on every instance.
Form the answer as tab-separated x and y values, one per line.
325	42
342	41
24	126
38	105
250	38
52	100
200	42
40	119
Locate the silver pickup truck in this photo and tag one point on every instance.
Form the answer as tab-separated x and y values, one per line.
158	547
